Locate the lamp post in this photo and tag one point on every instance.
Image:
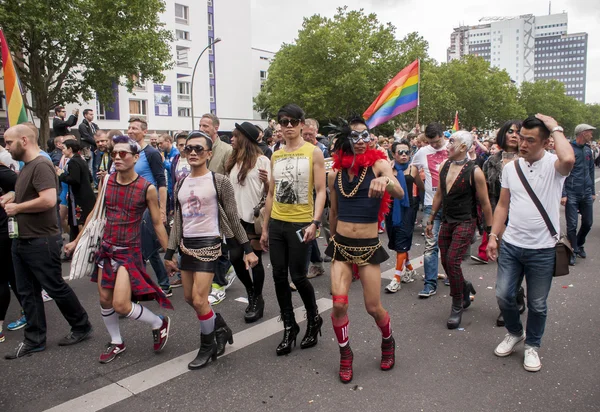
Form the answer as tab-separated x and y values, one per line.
215	41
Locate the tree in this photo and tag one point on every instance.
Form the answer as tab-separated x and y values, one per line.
70	51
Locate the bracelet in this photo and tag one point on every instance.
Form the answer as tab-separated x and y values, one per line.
389	185
494	235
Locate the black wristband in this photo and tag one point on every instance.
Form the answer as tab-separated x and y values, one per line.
488	229
316	223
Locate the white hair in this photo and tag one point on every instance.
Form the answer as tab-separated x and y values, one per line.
463	137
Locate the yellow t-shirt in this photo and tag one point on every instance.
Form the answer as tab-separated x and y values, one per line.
293	199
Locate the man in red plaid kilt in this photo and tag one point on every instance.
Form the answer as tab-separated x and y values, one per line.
462	183
121	272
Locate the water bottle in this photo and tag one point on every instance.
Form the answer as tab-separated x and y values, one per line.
13	228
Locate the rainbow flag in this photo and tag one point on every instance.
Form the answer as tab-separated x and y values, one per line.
455	125
398	96
12	87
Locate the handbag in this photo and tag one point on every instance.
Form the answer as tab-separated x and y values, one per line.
259	215
83	262
563	249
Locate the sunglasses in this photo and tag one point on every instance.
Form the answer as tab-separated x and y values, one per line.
403	152
357	136
193	148
122	154
287	122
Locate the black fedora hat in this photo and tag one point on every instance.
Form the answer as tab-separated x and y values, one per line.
248	130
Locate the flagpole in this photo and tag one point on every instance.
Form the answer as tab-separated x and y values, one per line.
418	94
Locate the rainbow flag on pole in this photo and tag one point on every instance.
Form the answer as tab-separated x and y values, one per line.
12	87
398	96
455	125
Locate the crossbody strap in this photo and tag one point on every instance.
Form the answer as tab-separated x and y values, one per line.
535	199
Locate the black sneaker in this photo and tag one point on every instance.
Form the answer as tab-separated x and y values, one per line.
23	350
581	253
168	292
74	337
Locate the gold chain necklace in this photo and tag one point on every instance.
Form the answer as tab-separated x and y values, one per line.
363	173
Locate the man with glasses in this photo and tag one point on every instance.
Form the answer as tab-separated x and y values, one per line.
121	274
292	217
429	158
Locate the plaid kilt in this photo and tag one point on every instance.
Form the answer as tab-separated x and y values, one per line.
109	258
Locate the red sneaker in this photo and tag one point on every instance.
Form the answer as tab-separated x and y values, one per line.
111	352
346	358
161	335
388	353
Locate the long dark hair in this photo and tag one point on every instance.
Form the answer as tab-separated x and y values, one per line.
501	136
246	154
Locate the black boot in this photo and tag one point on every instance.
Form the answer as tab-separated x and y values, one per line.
521	300
468	290
312	329
250	299
255	310
455	313
290	332
208	351
223	334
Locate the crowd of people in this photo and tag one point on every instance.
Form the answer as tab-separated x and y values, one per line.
215	206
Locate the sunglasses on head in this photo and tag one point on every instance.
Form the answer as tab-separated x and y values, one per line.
356	136
193	148
403	152
286	122
122	154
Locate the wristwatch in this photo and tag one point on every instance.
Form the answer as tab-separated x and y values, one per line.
557	129
316	223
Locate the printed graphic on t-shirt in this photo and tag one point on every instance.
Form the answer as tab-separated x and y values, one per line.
434	161
291	180
182	170
193	206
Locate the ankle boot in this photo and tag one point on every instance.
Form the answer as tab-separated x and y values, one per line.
208	351
468	290
521	300
223	334
455	313
388	353
312	329
346	358
255	310
250	299
290	332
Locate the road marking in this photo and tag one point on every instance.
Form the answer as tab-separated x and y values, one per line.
159	374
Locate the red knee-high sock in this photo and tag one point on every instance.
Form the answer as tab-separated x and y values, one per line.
386	326
401	257
340	327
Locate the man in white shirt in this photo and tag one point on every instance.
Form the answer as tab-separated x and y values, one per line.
429	159
527	245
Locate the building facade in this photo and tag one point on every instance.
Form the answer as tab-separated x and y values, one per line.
529	48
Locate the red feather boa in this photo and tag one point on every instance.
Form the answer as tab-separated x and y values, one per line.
344	161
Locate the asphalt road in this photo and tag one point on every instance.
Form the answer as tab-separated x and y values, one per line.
436	369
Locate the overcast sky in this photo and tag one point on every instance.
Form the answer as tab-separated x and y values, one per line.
277	21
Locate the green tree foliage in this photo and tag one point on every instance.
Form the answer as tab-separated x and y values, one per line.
71	51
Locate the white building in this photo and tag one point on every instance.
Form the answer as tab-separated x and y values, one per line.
529	48
261	60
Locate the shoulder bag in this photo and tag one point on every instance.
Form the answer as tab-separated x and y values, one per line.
84	256
563	248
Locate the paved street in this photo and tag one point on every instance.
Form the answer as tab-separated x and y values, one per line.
436	369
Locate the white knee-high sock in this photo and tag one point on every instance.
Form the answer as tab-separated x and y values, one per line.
111	321
139	312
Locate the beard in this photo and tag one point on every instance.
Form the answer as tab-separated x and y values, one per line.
17	152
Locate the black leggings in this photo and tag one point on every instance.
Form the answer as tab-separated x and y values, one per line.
253	284
7	275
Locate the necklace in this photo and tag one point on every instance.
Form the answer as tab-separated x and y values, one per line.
363	173
459	162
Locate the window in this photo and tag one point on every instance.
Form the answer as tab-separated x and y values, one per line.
100	111
263	75
2	101
181	13
212	93
184	112
182	34
138	107
210	42
182	56
183	90
210	21
211	69
209	2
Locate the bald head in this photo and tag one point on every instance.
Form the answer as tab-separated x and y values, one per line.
21	142
24	130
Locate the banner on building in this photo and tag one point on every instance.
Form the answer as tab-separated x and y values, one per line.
162	100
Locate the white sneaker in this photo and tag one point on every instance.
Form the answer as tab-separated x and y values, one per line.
408	276
230	278
531	362
45	296
216	296
507	346
394	286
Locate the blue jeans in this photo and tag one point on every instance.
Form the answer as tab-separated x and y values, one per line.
430	257
150	251
585	205
538	265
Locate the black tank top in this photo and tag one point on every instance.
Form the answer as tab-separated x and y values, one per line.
460	203
359	208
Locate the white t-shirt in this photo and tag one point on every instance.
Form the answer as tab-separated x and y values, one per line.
526	227
199	207
429	159
248	195
182	169
8	161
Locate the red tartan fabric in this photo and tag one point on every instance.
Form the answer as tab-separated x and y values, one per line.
454	240
125	206
111	258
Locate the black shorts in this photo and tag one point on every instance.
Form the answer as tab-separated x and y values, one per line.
191	263
378	256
